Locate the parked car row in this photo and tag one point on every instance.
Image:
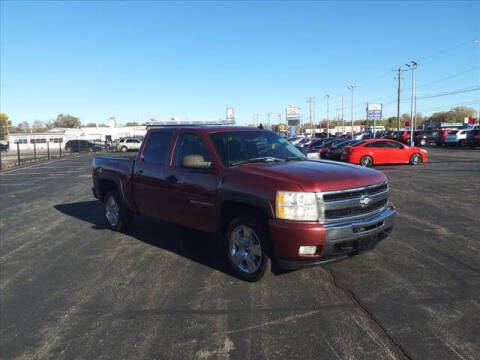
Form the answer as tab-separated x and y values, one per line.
366	152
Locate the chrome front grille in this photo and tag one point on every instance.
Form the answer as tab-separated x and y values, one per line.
352	204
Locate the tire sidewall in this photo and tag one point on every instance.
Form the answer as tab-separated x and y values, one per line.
263	237
125	215
124	149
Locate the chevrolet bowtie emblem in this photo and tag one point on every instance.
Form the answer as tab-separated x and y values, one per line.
365	201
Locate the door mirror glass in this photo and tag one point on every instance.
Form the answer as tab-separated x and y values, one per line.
195	161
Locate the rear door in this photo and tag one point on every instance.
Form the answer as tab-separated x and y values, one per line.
150	187
192	191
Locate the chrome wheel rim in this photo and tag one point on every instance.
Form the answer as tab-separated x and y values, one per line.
245	250
112	212
366	161
416	159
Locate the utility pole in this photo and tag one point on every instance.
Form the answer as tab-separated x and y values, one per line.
413	106
311	100
314	117
328	125
269	124
343	118
399	78
351	88
256	119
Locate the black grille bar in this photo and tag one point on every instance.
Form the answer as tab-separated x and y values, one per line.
355	211
354	194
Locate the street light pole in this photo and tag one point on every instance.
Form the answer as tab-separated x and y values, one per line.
413	106
310	100
351	88
328	125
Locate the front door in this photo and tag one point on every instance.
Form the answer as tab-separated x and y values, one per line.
192	191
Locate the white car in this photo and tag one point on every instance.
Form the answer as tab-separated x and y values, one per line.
457	137
129	144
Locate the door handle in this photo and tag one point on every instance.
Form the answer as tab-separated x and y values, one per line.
172	179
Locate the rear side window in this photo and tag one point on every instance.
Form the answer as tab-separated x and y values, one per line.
189	144
376	144
156	149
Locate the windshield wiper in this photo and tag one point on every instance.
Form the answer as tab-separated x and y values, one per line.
259	159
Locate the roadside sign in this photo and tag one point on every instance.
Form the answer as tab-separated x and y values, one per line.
374	111
292	114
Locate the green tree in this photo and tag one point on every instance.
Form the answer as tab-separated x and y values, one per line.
461	112
131	123
38	126
5	125
24	126
91	125
67	121
102	125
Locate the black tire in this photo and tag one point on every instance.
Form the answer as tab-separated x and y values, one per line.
416	159
462	143
260	238
366	161
125	215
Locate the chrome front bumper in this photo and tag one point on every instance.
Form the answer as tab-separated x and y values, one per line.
359	235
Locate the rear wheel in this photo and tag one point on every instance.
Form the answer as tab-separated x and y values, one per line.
118	216
246	248
124	149
416	159
366	161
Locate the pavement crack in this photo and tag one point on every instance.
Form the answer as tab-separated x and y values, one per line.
369	314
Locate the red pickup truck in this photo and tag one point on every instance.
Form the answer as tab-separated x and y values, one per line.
272	207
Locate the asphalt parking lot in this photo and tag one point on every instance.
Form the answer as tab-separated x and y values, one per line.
72	289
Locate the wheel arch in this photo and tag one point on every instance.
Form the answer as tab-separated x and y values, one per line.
233	204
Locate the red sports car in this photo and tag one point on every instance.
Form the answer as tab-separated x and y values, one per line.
383	151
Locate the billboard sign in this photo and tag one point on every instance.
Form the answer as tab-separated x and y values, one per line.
374	111
292	114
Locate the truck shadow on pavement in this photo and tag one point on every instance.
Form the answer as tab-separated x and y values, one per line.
197	246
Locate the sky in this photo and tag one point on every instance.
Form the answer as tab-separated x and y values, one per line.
142	60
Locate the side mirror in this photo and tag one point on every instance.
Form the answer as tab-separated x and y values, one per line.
195	162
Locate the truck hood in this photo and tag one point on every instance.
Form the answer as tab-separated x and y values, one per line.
317	176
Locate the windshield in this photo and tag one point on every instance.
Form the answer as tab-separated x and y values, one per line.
237	147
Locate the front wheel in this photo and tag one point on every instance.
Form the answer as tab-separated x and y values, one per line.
366	161
124	149
416	159
118	216
246	248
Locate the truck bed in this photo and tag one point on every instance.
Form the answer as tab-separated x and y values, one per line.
117	164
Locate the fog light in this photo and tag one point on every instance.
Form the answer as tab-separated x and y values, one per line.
307	250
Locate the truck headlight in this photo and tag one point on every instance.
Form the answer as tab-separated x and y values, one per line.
300	206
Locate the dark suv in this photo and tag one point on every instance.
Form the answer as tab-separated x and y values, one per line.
81	145
473	138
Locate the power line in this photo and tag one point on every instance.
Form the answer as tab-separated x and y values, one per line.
453	92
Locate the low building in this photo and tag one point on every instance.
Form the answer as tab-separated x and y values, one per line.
41	140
